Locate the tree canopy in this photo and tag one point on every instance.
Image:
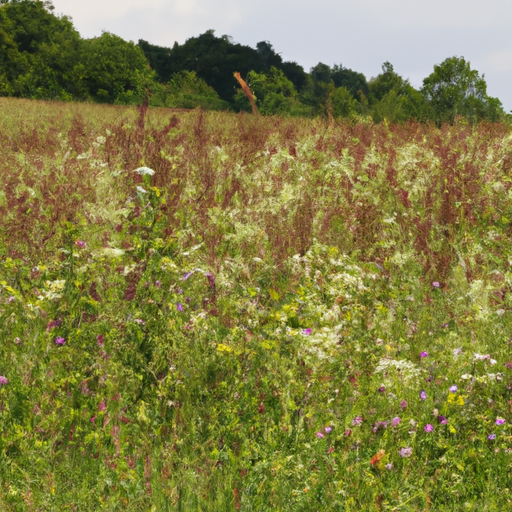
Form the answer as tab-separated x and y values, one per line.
43	56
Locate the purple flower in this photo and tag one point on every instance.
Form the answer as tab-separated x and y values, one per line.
319	435
186	276
395	421
306	332
403	405
423	354
139	321
382	389
59	340
429	427
357	421
453	389
158	284
328	430
491	437
423	395
80	243
3	380
100	339
379	425
52	324
442	419
405	452
211	279
500	421
435	284
179	306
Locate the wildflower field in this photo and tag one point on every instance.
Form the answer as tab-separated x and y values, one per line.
216	312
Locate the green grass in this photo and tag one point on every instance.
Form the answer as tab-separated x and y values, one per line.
271	279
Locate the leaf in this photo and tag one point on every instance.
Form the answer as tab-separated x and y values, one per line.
273	294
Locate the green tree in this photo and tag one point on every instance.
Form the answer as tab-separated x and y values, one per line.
275	94
40	51
186	90
394	98
342	103
116	71
455	89
353	81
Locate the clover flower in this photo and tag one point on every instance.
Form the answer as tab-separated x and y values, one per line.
429	427
405	452
357	421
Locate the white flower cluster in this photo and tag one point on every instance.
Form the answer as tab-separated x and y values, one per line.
405	368
53	290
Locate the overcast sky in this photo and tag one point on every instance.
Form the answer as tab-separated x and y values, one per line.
413	35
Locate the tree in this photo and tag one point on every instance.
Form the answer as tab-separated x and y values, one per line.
116	70
455	89
353	81
186	90
275	94
159	59
39	51
394	98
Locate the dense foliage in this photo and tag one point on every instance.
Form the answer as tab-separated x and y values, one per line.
221	311
42	56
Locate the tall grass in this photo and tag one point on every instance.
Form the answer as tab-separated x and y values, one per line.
208	311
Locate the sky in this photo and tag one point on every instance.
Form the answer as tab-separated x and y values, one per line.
413	35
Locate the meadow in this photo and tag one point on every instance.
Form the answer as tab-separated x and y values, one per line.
205	311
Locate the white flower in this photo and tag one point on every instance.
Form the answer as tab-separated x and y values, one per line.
144	170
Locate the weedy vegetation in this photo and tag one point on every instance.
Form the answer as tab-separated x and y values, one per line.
214	311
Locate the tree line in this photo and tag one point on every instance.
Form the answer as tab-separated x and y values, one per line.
42	56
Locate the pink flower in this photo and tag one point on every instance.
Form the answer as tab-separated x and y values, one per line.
429	427
500	421
395	421
3	380
405	452
80	243
306	332
423	395
59	341
435	284
328	430
100	339
319	435
357	421
102	406
423	354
